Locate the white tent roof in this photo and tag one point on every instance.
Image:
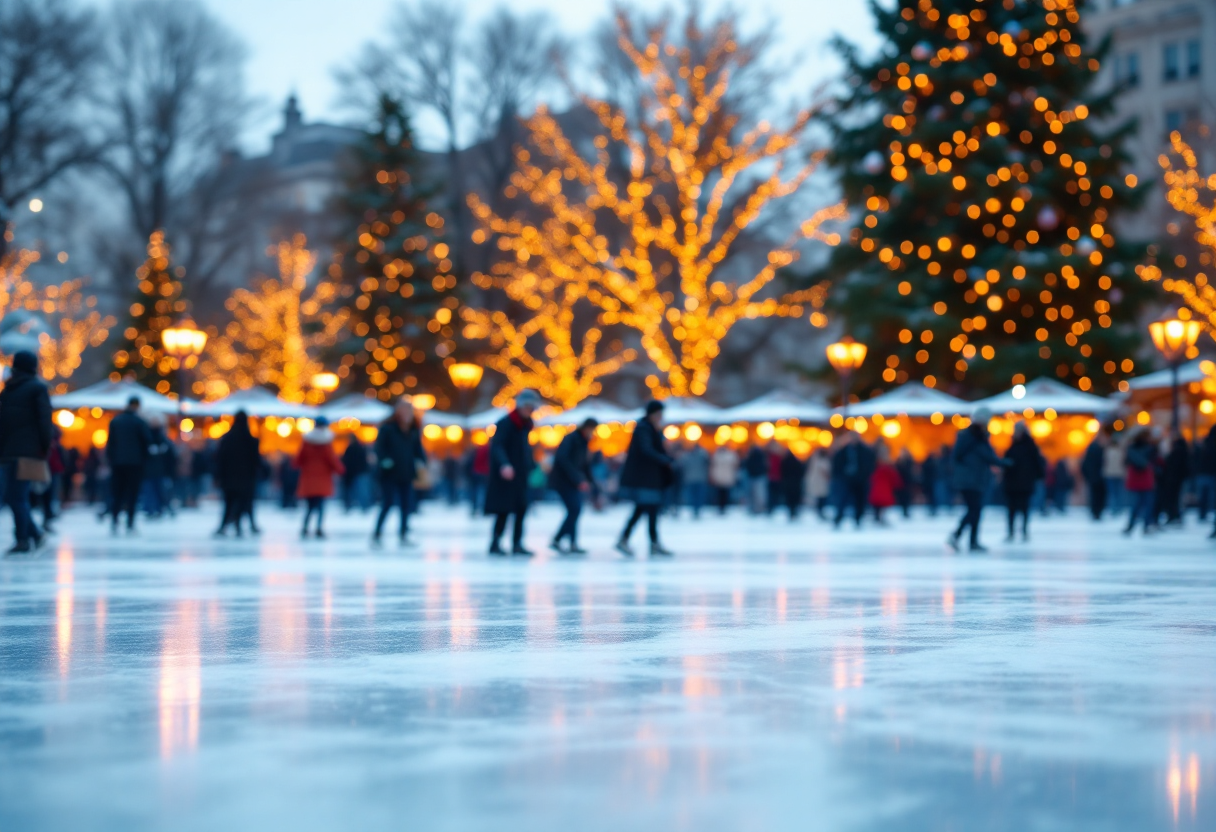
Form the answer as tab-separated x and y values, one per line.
597	409
677	409
1044	393
776	405
114	395
912	399
356	406
475	421
1163	379
256	401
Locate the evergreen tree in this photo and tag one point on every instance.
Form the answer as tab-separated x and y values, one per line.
986	195
395	273
157	306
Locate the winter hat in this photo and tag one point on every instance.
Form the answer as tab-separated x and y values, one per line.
26	362
321	422
527	397
981	415
653	406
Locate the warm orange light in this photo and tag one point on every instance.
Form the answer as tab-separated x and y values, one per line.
422	401
1173	337
183	340
466	376
846	355
325	382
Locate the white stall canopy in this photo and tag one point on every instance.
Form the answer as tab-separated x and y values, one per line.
677	410
114	395
362	409
1047	394
912	399
776	406
257	402
598	409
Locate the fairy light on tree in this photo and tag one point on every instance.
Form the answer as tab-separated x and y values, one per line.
394	271
536	348
64	306
653	242
986	198
1192	193
158	303
276	331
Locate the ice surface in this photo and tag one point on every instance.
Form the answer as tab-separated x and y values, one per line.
773	676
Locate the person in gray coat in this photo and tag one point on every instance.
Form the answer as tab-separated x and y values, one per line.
973	462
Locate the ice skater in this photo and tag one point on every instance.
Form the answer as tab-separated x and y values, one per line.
317	463
647	473
1026	467
571	478
399	455
511	464
973	461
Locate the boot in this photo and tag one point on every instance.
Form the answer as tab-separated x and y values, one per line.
496	550
519	551
656	549
623	547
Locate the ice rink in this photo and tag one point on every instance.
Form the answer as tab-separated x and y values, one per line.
772	676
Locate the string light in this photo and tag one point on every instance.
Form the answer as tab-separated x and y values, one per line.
275	332
158	303
645	246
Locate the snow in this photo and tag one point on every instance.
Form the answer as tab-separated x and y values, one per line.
772	676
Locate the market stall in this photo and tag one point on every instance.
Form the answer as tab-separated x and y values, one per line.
918	418
84	415
1149	398
1062	419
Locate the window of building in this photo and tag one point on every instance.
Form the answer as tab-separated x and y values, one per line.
1171	62
1194	62
1127	69
1174	120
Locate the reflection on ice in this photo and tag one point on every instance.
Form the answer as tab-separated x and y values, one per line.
181	684
64	603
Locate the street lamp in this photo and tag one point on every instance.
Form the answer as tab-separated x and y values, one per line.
182	342
465	378
325	382
846	356
1174	338
422	401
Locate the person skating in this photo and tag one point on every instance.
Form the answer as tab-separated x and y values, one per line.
25	440
1026	467
647	471
1140	461
355	468
819	481
128	445
885	482
1091	472
972	464
237	462
724	475
1174	472
793	471
399	455
852	463
570	477
317	463
511	464
694	472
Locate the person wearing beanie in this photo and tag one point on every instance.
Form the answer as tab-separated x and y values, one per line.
571	479
511	463
399	454
128	449
25	440
647	473
317	463
973	462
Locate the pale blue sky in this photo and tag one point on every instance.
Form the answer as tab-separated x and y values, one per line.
294	44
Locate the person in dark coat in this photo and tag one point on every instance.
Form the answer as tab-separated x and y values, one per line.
852	464
571	478
904	465
1140	459
398	454
1025	466
1174	472
511	464
128	446
929	474
793	471
237	465
355	467
1091	472
25	433
972	464
161	460
647	472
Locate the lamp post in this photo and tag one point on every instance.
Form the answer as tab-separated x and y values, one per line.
182	342
846	356
465	378
325	383
1174	338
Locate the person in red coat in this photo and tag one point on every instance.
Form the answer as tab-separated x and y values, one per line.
317	463
884	482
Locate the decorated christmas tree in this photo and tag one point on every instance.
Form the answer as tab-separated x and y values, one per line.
986	194
395	274
158	304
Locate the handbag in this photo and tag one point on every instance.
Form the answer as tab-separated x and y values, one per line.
422	476
33	470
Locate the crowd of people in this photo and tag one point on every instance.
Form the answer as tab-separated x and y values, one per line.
141	470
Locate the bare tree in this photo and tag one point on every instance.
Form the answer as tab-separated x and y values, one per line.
174	95
47	54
